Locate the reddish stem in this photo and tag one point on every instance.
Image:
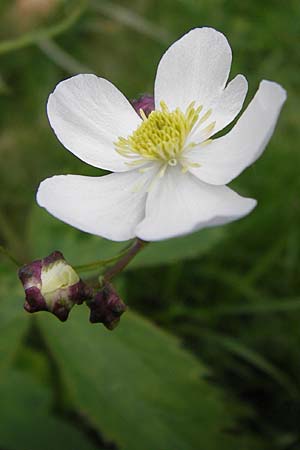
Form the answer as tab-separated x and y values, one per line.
125	260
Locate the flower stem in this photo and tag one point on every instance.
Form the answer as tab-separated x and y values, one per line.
101	262
137	246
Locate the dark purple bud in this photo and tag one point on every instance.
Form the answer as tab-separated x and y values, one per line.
106	307
51	284
145	102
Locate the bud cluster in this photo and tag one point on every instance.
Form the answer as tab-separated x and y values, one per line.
106	307
51	284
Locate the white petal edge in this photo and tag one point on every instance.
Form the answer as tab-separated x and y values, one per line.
224	109
225	158
88	114
194	68
229	104
109	206
179	204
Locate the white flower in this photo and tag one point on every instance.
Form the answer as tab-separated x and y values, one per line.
169	175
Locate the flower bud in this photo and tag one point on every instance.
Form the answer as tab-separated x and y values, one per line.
145	102
51	284
106	307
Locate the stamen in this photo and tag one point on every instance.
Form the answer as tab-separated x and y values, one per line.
208	141
187	164
138	186
202	120
205	117
155	179
164	107
145	169
162	136
142	114
209	128
162	171
136	162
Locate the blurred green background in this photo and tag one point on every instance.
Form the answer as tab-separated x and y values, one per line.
210	357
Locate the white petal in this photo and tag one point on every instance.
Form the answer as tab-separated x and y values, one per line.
110	206
223	109
180	203
225	158
194	68
88	114
229	104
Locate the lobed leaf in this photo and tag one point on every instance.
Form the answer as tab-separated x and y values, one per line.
26	421
137	385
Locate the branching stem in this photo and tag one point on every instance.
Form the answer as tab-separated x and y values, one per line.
137	246
121	261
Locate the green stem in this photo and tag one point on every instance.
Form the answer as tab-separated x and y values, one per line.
137	246
43	33
129	18
9	234
11	240
121	261
103	262
6	253
131	248
62	58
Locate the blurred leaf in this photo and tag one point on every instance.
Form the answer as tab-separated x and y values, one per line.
26	422
137	385
46	234
13	320
4	89
239	349
61	58
8	256
36	35
131	19
173	250
268	306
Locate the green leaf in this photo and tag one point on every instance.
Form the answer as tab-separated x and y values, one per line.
13	320
26	422
131	19
173	250
241	350
36	35
137	385
47	234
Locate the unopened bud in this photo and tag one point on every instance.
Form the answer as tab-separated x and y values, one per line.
106	307
145	102
51	284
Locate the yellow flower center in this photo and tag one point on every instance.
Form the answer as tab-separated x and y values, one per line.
161	136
